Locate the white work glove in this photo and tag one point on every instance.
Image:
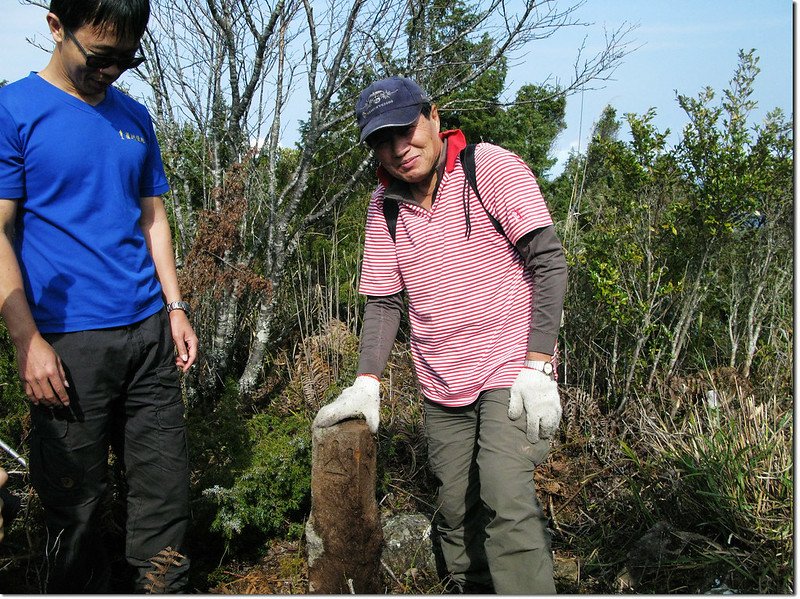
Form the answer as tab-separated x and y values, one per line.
536	394
362	398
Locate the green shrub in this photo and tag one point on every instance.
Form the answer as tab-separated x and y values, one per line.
275	488
219	442
13	404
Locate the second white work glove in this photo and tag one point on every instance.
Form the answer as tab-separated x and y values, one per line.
362	398
536	394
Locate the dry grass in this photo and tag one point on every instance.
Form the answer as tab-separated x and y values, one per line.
660	499
282	571
737	456
722	467
718	480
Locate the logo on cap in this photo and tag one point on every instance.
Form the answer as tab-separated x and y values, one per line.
378	99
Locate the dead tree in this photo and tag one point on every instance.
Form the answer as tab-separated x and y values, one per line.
225	77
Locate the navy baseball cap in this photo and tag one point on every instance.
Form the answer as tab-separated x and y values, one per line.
392	102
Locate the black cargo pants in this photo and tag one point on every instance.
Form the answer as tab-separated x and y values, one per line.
123	386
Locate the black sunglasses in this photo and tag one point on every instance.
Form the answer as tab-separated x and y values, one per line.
97	61
386	134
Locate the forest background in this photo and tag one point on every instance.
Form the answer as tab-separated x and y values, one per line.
677	337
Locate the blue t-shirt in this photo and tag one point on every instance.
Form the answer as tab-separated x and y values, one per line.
78	173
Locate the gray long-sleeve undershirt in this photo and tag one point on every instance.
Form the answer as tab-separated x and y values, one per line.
543	257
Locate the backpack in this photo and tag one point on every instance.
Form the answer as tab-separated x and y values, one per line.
391	209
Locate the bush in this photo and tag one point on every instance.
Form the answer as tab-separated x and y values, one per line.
275	488
13	404
726	471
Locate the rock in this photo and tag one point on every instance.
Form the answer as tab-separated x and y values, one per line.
720	588
408	550
407	545
661	549
624	582
566	570
657	547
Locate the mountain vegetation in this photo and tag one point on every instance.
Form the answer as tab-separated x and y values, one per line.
673	469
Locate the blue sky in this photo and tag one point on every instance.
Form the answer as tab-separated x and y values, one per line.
682	45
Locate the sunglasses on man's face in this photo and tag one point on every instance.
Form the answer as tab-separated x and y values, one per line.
99	61
387	134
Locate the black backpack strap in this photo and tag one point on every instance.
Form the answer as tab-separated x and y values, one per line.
470	171
390	211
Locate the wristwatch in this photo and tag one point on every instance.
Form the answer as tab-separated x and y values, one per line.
541	366
178	306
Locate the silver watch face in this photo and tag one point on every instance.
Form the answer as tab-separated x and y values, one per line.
541	365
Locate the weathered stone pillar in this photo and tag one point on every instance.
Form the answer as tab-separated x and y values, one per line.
343	534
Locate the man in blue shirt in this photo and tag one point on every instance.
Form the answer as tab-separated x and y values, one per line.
86	269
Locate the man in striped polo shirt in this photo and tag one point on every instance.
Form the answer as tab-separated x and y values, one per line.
484	306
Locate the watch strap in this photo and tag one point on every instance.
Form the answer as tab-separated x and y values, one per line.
541	366
178	306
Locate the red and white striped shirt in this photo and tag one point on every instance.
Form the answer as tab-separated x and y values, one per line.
469	298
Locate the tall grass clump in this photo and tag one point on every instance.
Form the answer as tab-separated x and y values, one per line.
729	463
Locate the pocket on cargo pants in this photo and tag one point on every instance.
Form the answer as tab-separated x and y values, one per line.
68	468
171	421
67	463
156	458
